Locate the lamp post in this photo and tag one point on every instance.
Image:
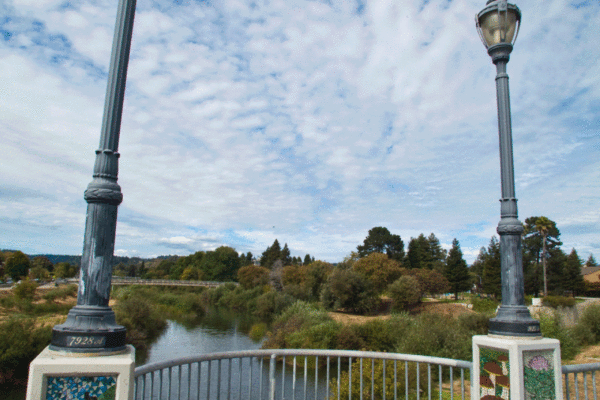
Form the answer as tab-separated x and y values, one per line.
498	25
91	325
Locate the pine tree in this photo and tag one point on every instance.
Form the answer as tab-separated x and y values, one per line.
380	240
456	270
285	256
492	271
307	260
591	262
573	280
271	254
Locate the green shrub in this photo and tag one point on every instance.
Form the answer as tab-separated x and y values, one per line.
25	289
252	276
60	293
587	330
271	304
319	336
483	305
436	335
404	292
20	342
213	295
551	327
349	290
475	323
349	338
378	335
374	368
558	301
258	331
140	319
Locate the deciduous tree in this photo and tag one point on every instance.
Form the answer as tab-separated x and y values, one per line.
17	265
379	269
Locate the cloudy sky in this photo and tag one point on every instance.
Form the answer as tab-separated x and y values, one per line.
306	121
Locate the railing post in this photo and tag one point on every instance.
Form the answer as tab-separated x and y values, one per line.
272	378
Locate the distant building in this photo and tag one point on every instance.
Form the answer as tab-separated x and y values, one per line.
591	274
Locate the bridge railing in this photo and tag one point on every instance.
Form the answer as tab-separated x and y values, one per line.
304	374
118	280
580	381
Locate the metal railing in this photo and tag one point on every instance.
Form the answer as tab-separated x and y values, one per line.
119	280
576	382
304	374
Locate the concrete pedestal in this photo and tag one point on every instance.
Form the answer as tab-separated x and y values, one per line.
57	375
513	367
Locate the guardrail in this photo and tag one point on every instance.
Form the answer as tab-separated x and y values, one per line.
576	381
164	282
314	374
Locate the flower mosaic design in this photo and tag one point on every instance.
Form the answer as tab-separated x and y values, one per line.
81	388
538	373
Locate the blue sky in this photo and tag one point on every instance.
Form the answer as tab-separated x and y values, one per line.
306	121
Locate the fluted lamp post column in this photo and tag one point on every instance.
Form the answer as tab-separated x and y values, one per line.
91	325
498	25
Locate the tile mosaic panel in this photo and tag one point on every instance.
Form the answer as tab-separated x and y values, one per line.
494	375
81	388
538	374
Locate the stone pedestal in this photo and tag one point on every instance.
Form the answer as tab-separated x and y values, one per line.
57	375
509	367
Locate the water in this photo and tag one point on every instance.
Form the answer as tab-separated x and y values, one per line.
217	331
220	331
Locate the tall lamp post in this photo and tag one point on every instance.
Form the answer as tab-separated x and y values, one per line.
498	25
91	325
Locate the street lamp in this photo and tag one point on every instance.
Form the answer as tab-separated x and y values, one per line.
91	325
498	25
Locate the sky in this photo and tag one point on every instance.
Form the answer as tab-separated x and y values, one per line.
307	121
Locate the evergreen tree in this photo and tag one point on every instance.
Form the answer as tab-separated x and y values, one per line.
285	256
573	280
380	240
307	260
456	270
270	255
591	262
555	269
416	255
492	271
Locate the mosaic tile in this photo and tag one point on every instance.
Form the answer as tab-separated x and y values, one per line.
494	381
81	388
538	374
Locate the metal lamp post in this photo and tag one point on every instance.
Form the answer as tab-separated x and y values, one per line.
91	325
498	25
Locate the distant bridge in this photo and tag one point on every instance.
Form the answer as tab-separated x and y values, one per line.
163	282
120	281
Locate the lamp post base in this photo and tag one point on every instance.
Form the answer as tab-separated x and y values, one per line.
514	321
89	329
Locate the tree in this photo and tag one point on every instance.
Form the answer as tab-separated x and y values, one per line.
379	269
431	281
348	289
307	260
491	279
222	264
591	261
425	252
573	280
380	240
541	235
405	292
17	265
456	270
285	255
65	270
251	276
270	255
42	261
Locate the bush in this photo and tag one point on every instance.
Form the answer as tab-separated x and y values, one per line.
405	292
587	330
213	295
558	301
551	327
271	304
374	368
25	289
252	276
349	290
140	319
20	342
297	317
60	293
483	305
379	269
258	331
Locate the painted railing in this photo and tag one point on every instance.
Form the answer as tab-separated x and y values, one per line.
580	381
304	374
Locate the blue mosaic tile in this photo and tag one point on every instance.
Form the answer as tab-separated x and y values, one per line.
81	388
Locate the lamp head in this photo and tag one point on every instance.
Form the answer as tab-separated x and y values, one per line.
498	23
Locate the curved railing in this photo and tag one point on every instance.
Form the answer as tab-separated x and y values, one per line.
304	374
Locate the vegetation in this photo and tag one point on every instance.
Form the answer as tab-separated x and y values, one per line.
380	240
